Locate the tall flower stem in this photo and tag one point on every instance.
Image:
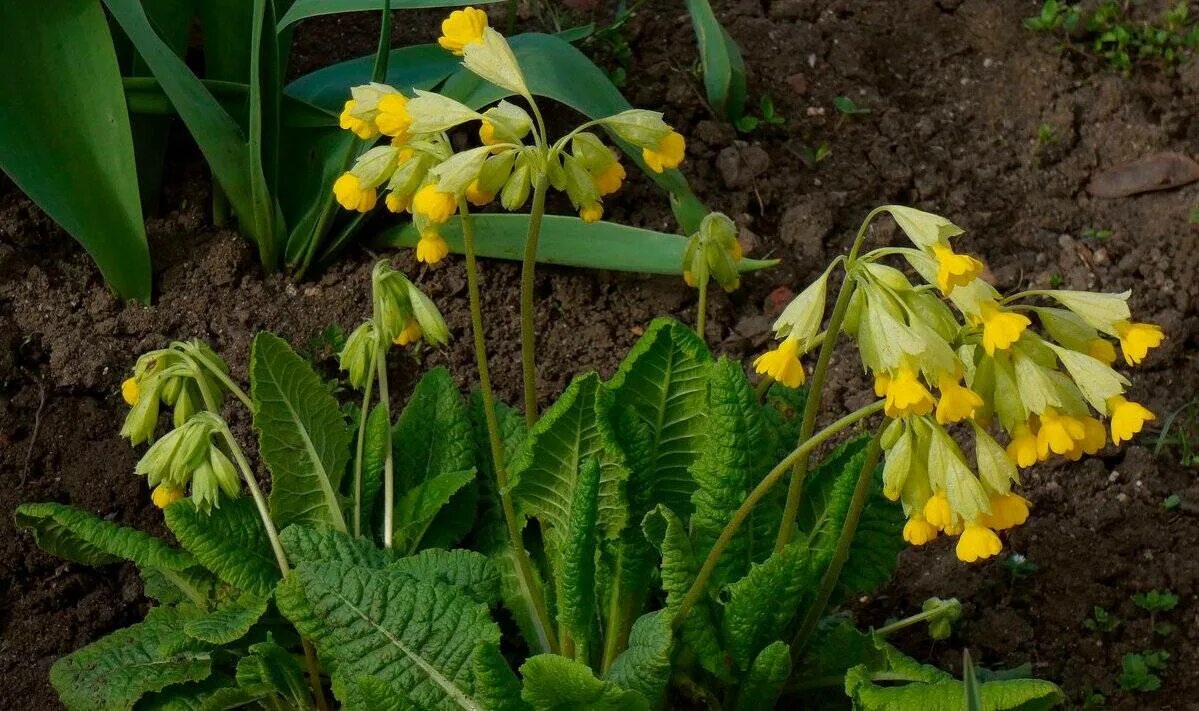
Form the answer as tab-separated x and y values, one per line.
528	339
539	614
388	459
701	316
360	446
828	583
816	389
742	513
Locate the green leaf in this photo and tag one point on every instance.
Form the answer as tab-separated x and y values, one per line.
556	683
374	457
723	67
663	382
304	9
205	695
644	666
72	113
271	670
309	544
415	636
972	693
766	677
420	66
78	536
761	604
497	687
302	435
575	573
115	671
371	694
469	572
230	622
568	241
230	542
732	461
435	457
556	70
547	469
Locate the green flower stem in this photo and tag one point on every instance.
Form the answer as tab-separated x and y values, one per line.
763	387
701	316
829	582
528	342
938	611
816	389
388	459
760	491
524	567
360	447
199	357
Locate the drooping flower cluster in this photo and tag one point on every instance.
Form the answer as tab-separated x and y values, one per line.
187	455
171	377
1048	389
422	174
713	252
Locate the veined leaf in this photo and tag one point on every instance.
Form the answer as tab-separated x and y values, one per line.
310	544
761	604
230	622
931	689
115	671
644	666
547	469
415	636
367	693
556	683
497	687
469	572
218	691
78	536
435	457
568	241
766	677
374	457
731	462
230	542
271	670
73	115
723	67
302	435
304	9
575	576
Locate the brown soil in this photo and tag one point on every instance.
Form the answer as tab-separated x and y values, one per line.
956	92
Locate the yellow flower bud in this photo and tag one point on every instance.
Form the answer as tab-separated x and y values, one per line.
608	180
1102	351
476	196
130	390
351	195
782	364
937	511
1094	437
360	127
592	212
689	278
954	269
1023	447
1137	338
957	402
1001	328
1007	511
431	248
1128	418
917	531
977	543
164	495
433	204
396	203
410	334
461	28
393	119
667	154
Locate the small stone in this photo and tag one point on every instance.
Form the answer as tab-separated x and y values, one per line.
778	299
798	83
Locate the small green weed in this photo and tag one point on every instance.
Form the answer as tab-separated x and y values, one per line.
749	123
1108	32
1101	621
1141	671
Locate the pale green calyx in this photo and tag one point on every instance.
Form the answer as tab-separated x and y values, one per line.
640	127
924	228
493	60
434	113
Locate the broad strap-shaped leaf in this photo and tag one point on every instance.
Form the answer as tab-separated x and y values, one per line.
302	435
469	572
644	666
374	455
679	568
556	683
546	472
432	439
304	9
731	463
766	677
495	684
230	622
663	383
115	671
417	637
310	544
575	572
761	604
513	595
272	671
230	542
723	67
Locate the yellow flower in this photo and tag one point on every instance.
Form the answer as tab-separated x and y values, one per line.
608	180
1102	351
917	531
1094	437
351	195
882	381
689	279
977	542
396	203
957	402
487	133
130	390
164	495
461	28
782	364
1001	328
1023	448
410	334
1058	433
435	205
360	127
431	247
1007	511
591	212
1128	418
477	197
667	154
906	395
954	269
393	119
937	511
1137	338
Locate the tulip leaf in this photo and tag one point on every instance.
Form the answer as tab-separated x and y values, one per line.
724	69
305	9
568	241
64	133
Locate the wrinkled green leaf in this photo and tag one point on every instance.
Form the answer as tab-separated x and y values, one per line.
497	687
468	572
230	542
309	544
766	677
416	509
229	622
271	670
575	575
555	683
374	456
302	435
761	604
76	535
644	666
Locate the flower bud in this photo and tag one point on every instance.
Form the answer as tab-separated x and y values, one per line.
493	60
580	186
459	170
376	166
591	151
509	123
1102	311
495	172
516	190
434	113
357	355
924	228
640	127
432	324
801	318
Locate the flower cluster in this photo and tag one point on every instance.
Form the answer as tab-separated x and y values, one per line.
187	455
174	377
713	252
1049	389
421	173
